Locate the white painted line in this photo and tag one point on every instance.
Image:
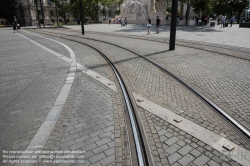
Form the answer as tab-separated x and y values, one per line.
41	137
108	83
202	134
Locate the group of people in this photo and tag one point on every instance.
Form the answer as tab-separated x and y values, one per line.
223	20
119	21
16	27
149	25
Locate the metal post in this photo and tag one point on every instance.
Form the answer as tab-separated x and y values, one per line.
173	25
38	19
187	14
57	17
82	17
41	6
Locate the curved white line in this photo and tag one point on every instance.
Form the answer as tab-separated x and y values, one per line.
41	137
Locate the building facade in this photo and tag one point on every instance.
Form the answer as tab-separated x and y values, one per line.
27	12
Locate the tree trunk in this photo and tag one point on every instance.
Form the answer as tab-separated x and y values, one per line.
238	19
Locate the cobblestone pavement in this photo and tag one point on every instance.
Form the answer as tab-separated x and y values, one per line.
180	148
223	79
234	36
93	117
31	79
161	88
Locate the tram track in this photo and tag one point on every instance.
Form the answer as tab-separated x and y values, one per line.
227	51
243	131
240	127
143	156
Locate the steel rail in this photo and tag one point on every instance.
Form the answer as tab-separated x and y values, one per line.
129	107
234	122
139	148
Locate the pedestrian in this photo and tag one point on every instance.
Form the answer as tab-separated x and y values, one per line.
232	20
116	20
167	20
121	21
158	21
126	21
177	19
109	21
223	19
197	20
14	27
18	28
205	20
149	25
218	21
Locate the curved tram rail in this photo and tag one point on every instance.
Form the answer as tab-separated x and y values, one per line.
235	124
138	139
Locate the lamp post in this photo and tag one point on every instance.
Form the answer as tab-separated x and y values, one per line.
187	13
57	17
38	19
41	6
173	25
82	17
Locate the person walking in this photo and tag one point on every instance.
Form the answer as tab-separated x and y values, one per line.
232	20
149	25
158	21
223	19
197	20
18	28
126	22
177	19
14	27
167	20
205	20
109	20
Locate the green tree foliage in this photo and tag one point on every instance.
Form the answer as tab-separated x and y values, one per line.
201	6
63	8
104	12
7	9
230	7
91	7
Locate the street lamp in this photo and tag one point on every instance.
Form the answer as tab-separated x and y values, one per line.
38	19
41	6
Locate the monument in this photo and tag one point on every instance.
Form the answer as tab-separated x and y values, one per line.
138	11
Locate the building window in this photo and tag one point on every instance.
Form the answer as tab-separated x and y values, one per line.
60	20
51	13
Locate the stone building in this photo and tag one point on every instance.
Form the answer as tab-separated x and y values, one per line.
27	12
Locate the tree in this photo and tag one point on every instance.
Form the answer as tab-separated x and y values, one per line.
201	6
63	8
104	12
231	7
8	10
91	7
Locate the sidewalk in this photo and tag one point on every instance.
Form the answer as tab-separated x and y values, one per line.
233	36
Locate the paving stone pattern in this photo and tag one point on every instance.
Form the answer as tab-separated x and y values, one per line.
224	79
90	58
164	90
87	56
177	148
49	44
90	125
30	81
99	126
